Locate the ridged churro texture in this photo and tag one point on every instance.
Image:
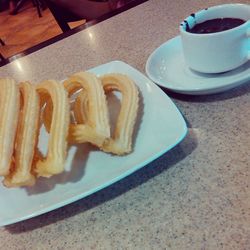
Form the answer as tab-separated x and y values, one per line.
9	107
26	138
82	97
121	141
53	163
94	126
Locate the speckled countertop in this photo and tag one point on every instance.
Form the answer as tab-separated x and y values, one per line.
197	196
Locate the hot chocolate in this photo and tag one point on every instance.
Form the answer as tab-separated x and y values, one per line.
215	25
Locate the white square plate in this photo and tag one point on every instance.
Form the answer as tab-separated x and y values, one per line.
160	127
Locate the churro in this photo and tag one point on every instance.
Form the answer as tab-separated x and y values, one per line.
82	97
121	141
95	128
9	106
53	163
26	138
80	108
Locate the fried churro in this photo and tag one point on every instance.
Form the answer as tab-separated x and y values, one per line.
53	163
26	138
9	106
95	128
26	107
121	141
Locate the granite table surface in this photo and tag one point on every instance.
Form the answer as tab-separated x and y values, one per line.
196	196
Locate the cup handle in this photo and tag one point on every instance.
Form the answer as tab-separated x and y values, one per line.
248	35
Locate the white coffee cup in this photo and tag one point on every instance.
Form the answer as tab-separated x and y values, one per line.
221	51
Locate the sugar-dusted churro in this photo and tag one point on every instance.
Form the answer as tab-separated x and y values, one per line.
53	163
121	141
9	107
26	138
95	128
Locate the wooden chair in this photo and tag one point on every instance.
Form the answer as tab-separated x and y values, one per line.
36	3
65	15
61	15
2	59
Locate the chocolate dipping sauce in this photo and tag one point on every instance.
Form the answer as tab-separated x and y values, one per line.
215	25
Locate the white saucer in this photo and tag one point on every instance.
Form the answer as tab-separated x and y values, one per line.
166	67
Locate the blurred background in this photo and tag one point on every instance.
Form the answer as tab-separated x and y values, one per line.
26	23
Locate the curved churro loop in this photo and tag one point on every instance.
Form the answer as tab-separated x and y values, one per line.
78	111
80	108
9	107
96	128
121	141
54	162
26	138
47	114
